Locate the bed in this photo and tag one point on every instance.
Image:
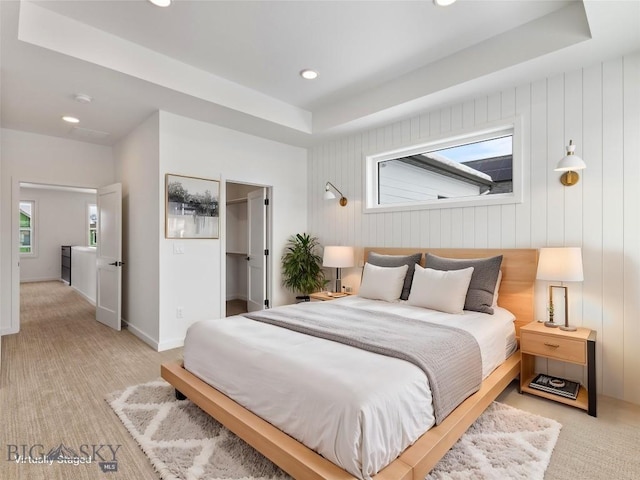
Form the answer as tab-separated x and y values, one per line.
516	295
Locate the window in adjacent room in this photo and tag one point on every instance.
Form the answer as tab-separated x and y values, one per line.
27	227
92	222
474	167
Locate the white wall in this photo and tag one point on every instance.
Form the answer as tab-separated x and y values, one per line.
196	280
28	157
60	219
599	108
155	280
137	169
83	272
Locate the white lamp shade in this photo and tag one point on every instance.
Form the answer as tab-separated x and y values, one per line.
560	264
328	195
570	162
338	257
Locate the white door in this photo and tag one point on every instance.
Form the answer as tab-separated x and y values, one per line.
257	258
109	256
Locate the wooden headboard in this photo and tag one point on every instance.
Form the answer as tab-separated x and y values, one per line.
518	274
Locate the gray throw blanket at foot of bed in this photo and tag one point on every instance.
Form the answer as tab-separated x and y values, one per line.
450	357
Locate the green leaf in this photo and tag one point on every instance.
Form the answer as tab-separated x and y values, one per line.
301	265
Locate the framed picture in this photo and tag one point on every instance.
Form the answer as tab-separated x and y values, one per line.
192	207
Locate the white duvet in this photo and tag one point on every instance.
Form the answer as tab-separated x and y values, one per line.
358	409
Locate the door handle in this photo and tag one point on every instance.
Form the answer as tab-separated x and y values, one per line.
117	264
248	259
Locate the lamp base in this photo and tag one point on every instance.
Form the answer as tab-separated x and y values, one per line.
551	324
568	328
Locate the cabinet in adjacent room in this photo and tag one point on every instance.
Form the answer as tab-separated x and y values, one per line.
65	268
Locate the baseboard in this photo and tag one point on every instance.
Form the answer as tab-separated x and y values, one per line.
8	331
42	279
236	297
86	297
141	335
171	344
158	347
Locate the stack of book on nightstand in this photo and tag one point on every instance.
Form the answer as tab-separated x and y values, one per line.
557	386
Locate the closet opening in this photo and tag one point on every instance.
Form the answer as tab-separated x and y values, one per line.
248	267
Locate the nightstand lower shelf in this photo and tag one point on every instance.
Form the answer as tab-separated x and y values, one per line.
581	402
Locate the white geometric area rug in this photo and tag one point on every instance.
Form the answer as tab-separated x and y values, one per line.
182	442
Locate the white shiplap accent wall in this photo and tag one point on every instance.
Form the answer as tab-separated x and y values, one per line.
599	108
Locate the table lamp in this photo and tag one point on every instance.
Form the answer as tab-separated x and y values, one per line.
560	265
338	257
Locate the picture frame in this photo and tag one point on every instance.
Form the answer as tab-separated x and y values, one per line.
192	207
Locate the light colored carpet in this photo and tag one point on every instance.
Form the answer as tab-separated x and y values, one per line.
55	375
591	448
183	442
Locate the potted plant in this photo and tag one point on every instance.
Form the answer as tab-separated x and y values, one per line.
302	266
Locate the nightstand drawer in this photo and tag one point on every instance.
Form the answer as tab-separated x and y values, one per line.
565	349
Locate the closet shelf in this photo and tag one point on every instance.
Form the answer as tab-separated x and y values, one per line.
237	253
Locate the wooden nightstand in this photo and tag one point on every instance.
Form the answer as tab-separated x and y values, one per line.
577	347
325	296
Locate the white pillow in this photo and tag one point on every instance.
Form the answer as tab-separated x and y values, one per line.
382	283
443	290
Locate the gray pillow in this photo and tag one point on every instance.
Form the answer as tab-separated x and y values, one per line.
397	261
483	281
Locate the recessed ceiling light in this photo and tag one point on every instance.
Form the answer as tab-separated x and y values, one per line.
308	74
82	98
443	3
161	3
70	119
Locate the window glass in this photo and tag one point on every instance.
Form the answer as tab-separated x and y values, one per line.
474	167
478	168
27	222
92	212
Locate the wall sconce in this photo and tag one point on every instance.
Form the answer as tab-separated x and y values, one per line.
569	164
329	195
560	265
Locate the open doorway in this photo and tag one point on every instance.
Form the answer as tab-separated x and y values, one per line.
247	247
55	223
52	220
47	223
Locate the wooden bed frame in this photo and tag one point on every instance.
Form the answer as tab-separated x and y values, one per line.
516	294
